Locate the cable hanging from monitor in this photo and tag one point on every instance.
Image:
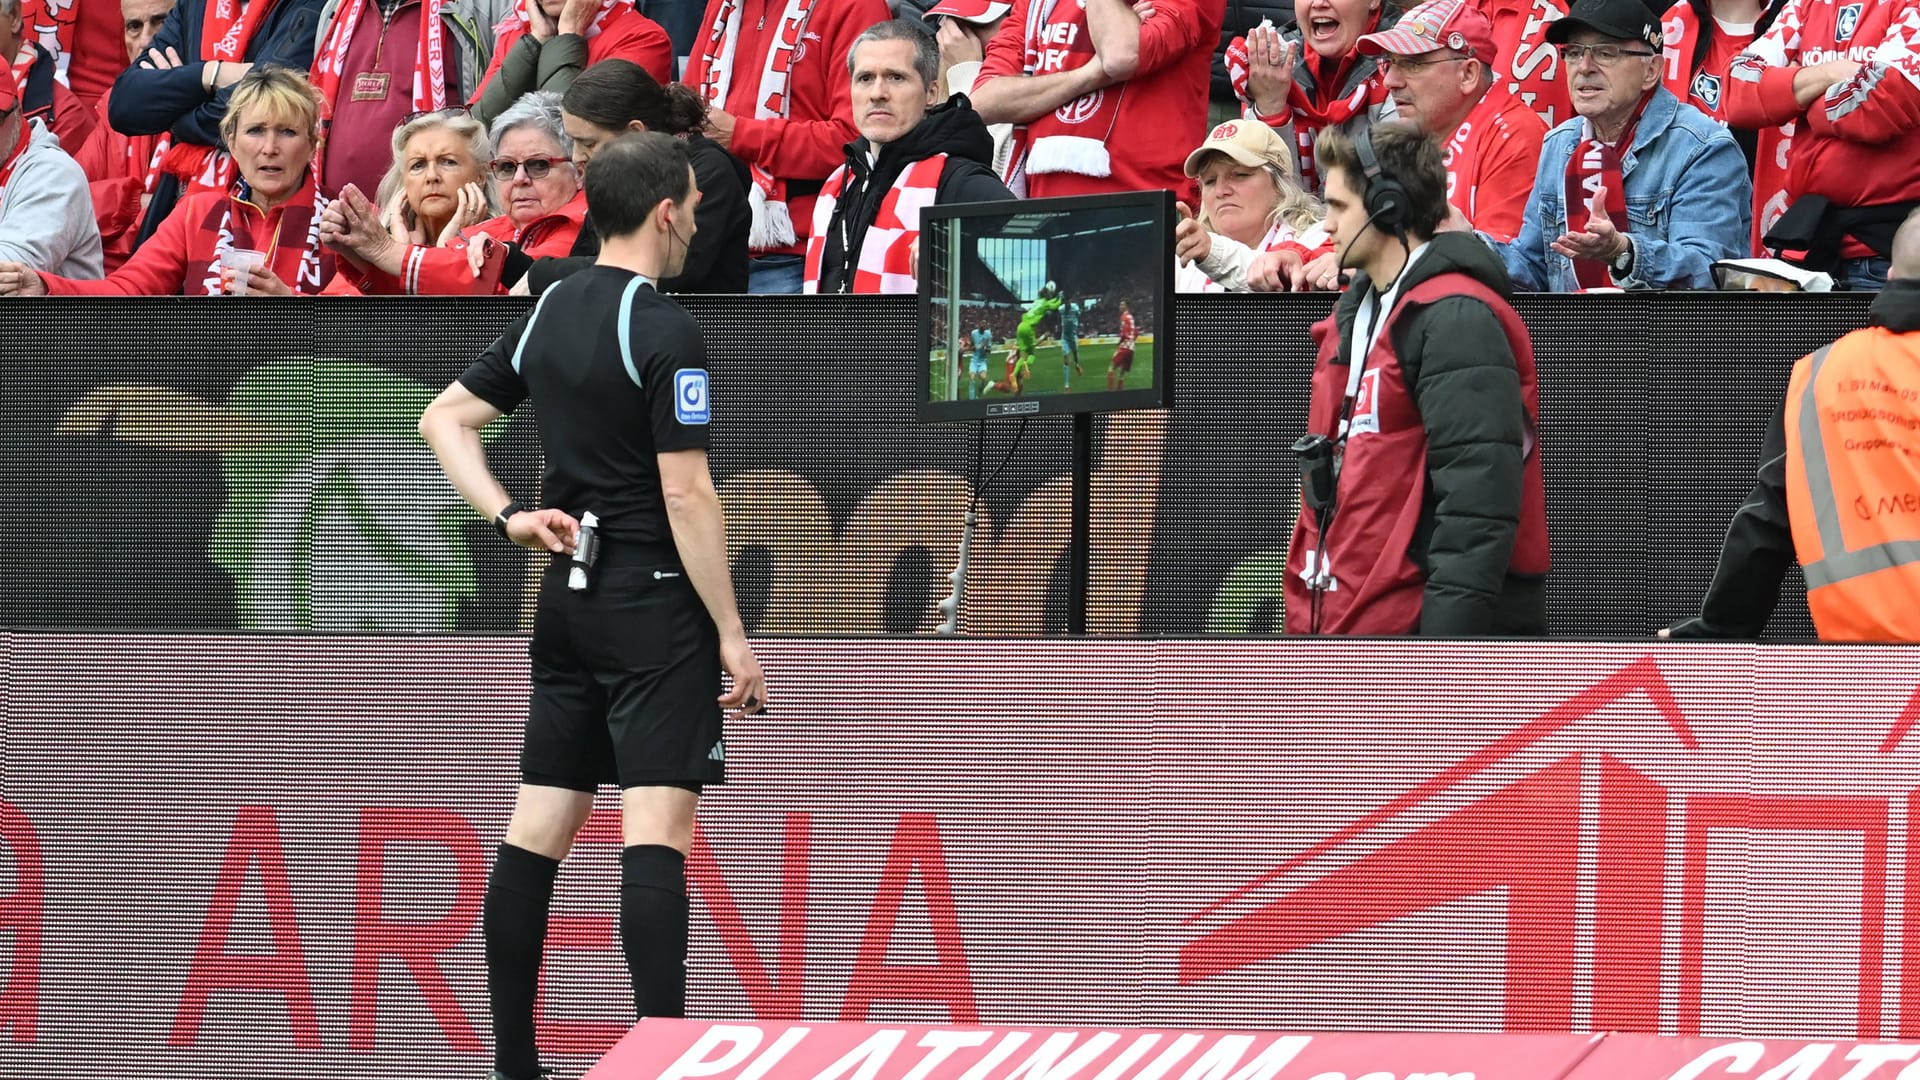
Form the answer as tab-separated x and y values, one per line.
950	607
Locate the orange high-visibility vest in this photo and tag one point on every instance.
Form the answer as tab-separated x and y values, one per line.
1853	484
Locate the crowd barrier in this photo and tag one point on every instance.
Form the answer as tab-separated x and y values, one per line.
195	465
261	855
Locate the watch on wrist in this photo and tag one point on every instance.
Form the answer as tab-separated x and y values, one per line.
1623	262
506	512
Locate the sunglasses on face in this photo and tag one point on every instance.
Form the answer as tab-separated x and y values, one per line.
537	168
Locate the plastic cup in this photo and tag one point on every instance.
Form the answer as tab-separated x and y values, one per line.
234	265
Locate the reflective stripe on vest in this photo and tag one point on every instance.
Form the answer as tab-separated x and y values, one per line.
1836	563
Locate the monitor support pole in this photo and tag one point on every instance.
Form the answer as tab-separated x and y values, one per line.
1080	543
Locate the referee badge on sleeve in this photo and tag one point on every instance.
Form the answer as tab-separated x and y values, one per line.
690	396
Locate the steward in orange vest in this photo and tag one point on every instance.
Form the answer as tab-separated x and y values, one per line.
1839	485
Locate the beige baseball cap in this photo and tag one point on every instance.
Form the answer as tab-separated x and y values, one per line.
1248	142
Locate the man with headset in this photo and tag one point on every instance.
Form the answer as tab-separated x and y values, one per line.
636	618
1423	506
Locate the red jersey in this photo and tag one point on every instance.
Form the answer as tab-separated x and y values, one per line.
1128	335
1529	64
1856	145
85	37
1705	88
1491	159
1093	143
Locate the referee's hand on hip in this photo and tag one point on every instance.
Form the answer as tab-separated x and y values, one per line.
544	530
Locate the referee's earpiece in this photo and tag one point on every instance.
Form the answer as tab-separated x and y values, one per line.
1386	199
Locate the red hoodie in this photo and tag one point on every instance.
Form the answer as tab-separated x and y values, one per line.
1857	146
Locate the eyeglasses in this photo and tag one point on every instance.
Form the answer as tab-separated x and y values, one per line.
1604	55
452	110
537	168
1407	65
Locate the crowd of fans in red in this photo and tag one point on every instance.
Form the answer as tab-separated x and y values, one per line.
437	146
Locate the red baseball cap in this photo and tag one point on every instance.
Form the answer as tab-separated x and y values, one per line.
9	93
1437	24
973	11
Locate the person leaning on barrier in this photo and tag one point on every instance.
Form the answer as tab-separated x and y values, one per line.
270	127
1639	190
626	662
1424	509
46	218
1839	485
866	222
435	189
614	97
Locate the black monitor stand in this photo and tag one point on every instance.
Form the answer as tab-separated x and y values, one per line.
1080	542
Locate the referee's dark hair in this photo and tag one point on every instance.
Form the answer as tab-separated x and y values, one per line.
634	174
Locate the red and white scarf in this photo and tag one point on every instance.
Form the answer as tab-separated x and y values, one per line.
1593	164
1072	138
306	280
429	62
1306	115
772	220
886	252
225	33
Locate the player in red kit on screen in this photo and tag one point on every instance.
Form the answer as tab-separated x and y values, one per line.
1122	362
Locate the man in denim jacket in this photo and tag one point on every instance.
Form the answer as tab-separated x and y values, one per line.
1655	215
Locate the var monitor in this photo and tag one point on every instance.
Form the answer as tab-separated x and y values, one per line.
1046	306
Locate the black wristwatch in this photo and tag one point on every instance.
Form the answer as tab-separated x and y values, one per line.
506	512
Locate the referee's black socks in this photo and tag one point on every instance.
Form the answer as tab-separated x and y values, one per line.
653	927
514	920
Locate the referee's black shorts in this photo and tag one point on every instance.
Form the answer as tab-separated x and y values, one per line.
625	679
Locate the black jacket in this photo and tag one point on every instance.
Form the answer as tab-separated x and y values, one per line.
953	129
1242	16
1759	545
717	258
1464	379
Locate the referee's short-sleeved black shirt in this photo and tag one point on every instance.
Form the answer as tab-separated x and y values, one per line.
618	374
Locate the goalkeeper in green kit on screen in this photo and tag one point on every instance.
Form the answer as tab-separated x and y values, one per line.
1020	361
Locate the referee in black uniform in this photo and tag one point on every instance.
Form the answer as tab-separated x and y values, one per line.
625	670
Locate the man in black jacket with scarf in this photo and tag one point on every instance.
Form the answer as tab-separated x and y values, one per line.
910	154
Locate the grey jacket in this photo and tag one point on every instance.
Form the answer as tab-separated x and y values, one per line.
469	23
46	214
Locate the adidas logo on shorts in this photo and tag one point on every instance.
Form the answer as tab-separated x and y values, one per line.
719	752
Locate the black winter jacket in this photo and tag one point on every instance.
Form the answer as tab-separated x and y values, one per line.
1464	379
